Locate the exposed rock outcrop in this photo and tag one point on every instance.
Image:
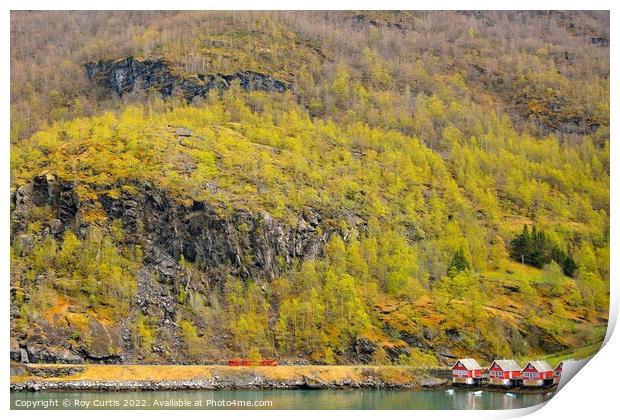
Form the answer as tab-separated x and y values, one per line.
241	242
364	348
238	242
45	190
45	353
128	74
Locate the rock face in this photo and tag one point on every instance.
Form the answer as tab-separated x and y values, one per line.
46	190
127	74
44	353
241	243
364	348
238	242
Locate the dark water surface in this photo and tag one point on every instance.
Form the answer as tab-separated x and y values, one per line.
460	399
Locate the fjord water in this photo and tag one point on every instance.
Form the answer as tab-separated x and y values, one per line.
460	399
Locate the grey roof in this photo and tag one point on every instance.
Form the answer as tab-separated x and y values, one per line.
470	364
507	365
540	365
561	364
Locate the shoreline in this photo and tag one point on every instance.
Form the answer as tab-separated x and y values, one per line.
198	385
41	377
36	377
137	386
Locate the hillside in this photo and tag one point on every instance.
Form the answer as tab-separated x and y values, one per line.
334	188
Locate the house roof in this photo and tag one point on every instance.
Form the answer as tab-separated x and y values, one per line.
564	361
507	365
561	364
540	365
470	364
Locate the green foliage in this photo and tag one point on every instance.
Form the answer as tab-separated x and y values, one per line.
381	176
190	337
498	253
254	356
248	315
380	357
459	263
553	276
463	283
144	334
418	358
74	335
92	271
328	357
537	249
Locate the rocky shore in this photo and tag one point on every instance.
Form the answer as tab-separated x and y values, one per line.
170	378
260	383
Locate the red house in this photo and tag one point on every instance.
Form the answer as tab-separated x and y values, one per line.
537	373
466	371
557	373
504	372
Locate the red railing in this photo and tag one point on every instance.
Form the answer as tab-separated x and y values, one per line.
247	362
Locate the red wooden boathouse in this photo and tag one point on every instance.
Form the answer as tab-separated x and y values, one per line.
537	373
504	372
467	372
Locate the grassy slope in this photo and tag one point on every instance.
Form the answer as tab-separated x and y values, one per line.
514	310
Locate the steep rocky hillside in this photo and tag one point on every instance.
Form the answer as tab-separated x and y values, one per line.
314	187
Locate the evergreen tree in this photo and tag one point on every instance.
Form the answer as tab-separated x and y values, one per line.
569	266
536	249
459	263
520	246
